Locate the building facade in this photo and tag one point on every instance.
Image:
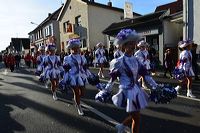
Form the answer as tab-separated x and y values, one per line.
162	29
86	19
191	18
49	27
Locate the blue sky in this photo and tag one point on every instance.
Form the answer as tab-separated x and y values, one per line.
16	15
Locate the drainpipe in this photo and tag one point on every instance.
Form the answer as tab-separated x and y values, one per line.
186	20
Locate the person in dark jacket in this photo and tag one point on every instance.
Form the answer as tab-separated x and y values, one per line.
168	62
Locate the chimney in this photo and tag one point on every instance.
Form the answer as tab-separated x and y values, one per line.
110	3
49	14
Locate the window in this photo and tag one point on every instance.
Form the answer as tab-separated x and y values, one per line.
67	27
84	43
48	30
78	20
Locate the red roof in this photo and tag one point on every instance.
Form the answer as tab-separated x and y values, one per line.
174	7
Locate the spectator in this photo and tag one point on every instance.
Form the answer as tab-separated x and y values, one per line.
11	62
111	52
168	62
62	55
28	60
91	57
152	57
194	61
17	59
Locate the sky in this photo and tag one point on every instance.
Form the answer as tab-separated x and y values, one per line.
16	15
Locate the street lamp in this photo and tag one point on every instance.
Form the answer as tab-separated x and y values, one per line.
34	23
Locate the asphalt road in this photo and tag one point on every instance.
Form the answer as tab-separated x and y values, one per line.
26	106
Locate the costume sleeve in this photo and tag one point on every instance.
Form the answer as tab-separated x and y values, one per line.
85	63
115	65
45	62
59	62
66	65
144	72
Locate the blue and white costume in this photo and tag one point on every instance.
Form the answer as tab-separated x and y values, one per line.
186	62
77	72
100	55
143	55
118	53
52	63
40	64
130	94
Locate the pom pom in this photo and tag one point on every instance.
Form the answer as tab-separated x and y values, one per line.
103	96
101	86
93	79
42	79
38	73
178	74
64	87
163	94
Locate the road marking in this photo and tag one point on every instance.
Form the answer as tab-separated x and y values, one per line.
105	117
181	96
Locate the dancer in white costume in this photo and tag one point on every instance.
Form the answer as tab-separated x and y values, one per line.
76	69
130	95
52	71
186	64
118	53
100	58
40	61
143	57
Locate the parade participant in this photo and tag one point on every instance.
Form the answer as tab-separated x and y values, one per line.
5	59
76	69
28	60
40	60
143	57
128	68
185	59
11	62
34	60
52	71
118	53
100	58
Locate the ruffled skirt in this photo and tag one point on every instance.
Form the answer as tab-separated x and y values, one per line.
101	60
132	99
75	79
52	73
189	72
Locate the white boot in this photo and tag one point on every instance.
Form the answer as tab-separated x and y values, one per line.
177	88
120	128
99	74
54	96
80	111
189	94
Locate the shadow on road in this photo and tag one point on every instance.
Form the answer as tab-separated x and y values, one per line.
75	122
169	111
156	125
8	124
